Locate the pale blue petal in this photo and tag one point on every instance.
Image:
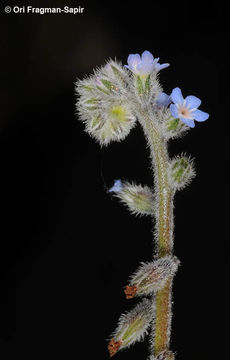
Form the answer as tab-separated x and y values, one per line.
174	111
177	96
133	60
189	122
192	102
155	61
200	115
117	187
144	68
159	67
147	57
163	99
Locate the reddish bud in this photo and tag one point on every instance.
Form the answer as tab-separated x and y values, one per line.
130	291
152	276
114	346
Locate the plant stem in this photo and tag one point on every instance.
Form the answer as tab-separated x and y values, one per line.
163	232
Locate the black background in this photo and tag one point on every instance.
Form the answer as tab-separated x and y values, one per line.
67	248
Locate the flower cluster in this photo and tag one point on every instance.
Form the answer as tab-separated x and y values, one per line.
102	104
107	100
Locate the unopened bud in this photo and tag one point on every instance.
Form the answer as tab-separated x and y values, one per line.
119	73
132	327
114	346
102	106
181	172
130	291
151	277
138	198
174	127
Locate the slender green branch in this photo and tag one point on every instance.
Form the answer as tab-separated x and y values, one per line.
163	232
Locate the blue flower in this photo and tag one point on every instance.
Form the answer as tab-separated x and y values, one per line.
143	65
117	187
186	109
163	100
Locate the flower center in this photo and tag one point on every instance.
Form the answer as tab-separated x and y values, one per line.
183	111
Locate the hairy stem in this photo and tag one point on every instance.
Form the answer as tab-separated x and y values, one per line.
163	232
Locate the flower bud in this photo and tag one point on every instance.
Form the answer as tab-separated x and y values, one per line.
181	172
139	199
173	127
102	104
116	74
132	327
151	276
111	121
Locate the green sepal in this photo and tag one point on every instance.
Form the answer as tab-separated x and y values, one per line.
96	123
147	84
181	171
107	84
92	101
174	125
118	74
87	87
92	108
103	90
139	83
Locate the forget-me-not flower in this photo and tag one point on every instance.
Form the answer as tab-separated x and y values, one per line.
117	187
143	65
186	109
